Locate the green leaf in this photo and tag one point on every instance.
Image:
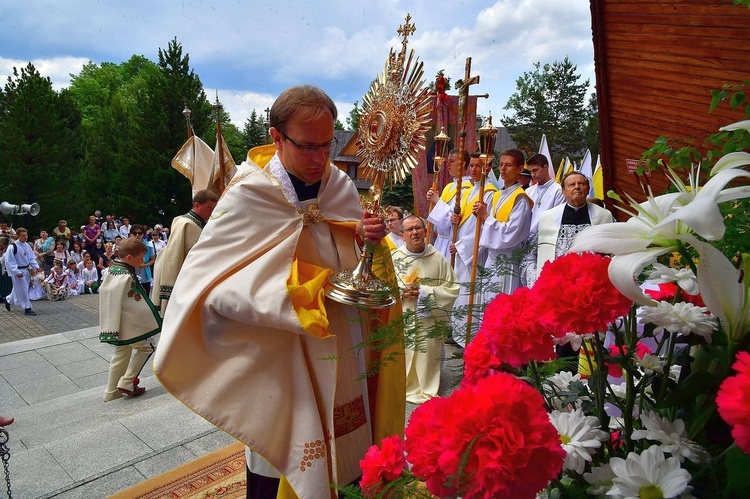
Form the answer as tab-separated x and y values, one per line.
737	99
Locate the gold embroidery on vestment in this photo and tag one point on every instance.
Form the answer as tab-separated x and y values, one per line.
312	215
313	450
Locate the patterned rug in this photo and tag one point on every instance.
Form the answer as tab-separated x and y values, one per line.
220	474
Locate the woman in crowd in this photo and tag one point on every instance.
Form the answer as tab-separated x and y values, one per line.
91	233
97	252
56	282
61	253
156	243
105	258
43	249
110	231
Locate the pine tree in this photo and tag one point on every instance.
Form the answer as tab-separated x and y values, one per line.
549	100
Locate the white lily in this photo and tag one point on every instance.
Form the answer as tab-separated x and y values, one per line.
657	225
725	290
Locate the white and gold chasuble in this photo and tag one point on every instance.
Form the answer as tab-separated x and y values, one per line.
251	344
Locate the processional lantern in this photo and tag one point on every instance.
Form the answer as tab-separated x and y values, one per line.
395	118
487	138
441	152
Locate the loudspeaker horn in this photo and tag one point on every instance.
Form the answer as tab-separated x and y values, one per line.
8	208
32	209
15	209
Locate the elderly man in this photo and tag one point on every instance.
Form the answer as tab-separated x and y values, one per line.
187	229
251	343
19	256
559	225
428	290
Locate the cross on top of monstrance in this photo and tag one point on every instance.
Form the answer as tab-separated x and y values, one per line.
392	127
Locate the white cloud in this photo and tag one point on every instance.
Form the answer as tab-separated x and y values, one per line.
253	50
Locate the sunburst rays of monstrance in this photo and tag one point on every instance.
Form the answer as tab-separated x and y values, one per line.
395	118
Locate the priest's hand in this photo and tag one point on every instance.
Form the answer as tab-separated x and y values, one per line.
480	211
432	196
452	249
371	229
455	218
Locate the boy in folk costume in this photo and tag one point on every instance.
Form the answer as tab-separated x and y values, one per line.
128	320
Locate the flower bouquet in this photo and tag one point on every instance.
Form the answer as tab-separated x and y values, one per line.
657	403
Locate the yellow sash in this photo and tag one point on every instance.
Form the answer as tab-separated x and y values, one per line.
469	203
449	191
502	214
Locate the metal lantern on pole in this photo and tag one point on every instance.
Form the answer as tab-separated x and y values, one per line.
441	152
487	138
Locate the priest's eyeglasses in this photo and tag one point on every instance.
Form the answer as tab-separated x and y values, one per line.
412	229
312	148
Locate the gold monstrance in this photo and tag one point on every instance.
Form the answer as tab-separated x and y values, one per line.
395	118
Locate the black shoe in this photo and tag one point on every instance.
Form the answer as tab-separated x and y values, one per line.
29	312
7	305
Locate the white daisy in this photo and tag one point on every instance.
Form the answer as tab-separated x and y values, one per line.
648	475
580	436
683	318
600	479
684	278
671	436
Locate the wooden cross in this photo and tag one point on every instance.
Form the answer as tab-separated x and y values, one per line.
463	96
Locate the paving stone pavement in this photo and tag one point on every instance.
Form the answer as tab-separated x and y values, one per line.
66	441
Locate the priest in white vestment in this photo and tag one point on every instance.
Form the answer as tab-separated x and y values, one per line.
505	228
428	290
251	343
443	204
559	226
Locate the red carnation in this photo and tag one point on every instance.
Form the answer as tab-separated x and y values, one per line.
575	294
493	439
382	464
733	401
511	335
480	360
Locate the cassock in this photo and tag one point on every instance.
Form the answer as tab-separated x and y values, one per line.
438	290
18	257
186	229
559	226
251	344
504	231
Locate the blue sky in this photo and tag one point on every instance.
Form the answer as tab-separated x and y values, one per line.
250	51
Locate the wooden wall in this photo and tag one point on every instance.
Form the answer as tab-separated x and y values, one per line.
656	64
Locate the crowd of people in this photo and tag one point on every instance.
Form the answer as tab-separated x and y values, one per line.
67	262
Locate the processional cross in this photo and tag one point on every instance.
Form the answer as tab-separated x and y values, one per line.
463	97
